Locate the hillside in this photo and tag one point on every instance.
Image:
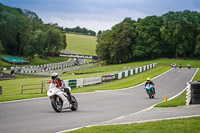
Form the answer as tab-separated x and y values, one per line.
81	44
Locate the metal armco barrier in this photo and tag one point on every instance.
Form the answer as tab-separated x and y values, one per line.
195	92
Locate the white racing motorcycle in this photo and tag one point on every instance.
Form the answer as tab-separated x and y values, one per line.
60	99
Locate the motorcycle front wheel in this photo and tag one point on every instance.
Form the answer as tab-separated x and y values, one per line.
57	103
75	104
150	93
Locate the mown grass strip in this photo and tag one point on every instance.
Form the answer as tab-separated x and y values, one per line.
186	125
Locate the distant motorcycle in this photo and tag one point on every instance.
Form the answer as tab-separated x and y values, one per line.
189	66
149	89
60	99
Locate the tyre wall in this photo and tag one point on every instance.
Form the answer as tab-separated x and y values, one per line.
195	93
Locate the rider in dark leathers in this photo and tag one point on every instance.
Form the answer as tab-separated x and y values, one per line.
150	82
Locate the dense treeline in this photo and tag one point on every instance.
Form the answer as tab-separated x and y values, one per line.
24	34
79	30
174	34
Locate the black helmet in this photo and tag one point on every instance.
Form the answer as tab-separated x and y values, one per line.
54	76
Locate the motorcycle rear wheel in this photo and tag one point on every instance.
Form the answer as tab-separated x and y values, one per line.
57	103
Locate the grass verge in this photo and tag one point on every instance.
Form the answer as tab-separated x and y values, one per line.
179	101
124	83
186	125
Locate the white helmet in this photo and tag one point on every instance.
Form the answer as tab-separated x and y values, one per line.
54	76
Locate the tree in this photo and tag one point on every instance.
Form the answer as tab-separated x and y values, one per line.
80	30
54	40
179	31
124	36
103	46
148	42
37	40
23	33
197	47
114	45
2	50
10	24
99	32
28	51
64	41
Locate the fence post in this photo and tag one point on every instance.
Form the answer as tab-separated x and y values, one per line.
42	87
22	89
1	90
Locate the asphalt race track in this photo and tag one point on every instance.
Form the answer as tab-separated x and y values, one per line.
37	115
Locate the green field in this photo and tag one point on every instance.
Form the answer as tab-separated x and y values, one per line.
81	44
186	125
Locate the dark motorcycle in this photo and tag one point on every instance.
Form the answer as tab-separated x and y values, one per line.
149	89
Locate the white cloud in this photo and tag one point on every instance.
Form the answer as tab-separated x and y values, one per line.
90	21
99	14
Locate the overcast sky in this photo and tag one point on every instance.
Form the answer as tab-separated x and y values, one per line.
99	14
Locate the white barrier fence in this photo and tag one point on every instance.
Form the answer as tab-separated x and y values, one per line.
106	78
42	68
188	93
